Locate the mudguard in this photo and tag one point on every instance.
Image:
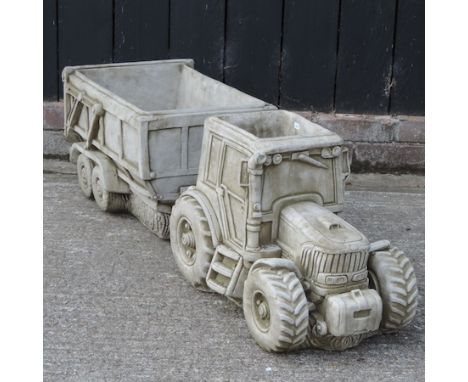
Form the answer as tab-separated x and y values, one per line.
276	263
209	213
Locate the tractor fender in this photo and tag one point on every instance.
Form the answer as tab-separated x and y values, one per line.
111	180
276	263
209	213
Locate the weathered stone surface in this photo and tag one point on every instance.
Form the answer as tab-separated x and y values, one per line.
53	116
359	128
411	129
408	183
387	157
115	307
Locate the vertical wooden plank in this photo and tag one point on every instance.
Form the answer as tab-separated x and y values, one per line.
407	95
50	69
85	32
309	54
365	56
253	39
197	31
141	30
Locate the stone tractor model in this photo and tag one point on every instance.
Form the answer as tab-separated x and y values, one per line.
248	194
260	227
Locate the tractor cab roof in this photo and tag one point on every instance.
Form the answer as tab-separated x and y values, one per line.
273	131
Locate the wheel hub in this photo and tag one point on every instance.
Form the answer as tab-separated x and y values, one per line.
261	311
187	241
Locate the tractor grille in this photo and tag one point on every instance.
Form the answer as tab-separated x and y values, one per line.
314	261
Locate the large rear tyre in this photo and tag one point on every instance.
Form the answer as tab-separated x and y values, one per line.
106	201
276	310
191	241
84	168
392	275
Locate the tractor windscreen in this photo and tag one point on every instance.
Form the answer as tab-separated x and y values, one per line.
292	177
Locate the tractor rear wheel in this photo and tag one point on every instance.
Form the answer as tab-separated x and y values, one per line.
84	168
107	201
191	241
392	275
276	310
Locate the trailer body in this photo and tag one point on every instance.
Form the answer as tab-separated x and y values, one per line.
147	118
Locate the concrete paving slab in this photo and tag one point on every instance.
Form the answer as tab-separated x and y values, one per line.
116	308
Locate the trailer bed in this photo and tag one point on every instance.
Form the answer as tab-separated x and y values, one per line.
148	118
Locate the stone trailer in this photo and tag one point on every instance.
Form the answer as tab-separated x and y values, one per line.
257	194
138	128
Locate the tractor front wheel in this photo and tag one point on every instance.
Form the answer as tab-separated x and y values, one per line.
392	276
276	310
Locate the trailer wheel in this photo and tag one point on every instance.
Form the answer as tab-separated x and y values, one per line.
107	201
84	168
191	241
276	310
392	275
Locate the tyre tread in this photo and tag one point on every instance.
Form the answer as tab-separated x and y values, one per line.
400	307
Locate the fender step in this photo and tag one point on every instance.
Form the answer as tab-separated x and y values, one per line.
224	271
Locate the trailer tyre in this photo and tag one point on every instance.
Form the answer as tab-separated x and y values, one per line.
107	201
191	241
84	168
276	310
392	275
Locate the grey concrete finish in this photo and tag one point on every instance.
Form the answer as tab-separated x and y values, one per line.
116	307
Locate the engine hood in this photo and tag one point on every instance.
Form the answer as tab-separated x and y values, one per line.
315	225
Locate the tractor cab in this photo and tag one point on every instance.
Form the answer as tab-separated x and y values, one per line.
253	165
